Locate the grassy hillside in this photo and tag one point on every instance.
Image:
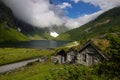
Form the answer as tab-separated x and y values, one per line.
37	71
10	34
8	30
108	22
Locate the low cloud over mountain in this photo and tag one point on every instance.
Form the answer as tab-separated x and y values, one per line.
41	13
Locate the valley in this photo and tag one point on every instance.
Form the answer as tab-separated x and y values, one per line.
43	53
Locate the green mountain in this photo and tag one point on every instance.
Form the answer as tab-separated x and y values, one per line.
8	30
108	22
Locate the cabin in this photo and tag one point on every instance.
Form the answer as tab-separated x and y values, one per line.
71	55
60	57
89	54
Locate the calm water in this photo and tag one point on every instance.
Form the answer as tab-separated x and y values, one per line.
35	44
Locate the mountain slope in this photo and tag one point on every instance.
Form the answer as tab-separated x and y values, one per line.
39	33
8	30
108	22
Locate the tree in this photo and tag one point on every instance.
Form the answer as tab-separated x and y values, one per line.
111	68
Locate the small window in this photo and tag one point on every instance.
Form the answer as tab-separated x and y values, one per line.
84	57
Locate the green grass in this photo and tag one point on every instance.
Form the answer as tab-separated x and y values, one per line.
37	71
9	55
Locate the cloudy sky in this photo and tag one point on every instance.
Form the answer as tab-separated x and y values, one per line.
71	13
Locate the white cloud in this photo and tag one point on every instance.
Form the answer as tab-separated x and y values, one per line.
65	5
104	4
41	13
74	23
75	1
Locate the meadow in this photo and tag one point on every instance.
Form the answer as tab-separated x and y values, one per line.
10	55
35	71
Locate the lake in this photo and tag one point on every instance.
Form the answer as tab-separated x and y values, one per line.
35	44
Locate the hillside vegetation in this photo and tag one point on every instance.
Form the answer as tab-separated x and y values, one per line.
8	30
108	22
